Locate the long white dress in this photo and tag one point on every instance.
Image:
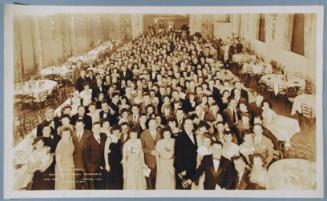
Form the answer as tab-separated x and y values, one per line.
165	169
133	161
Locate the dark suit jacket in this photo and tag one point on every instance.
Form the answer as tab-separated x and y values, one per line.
93	154
224	176
96	90
229	117
149	145
244	94
128	75
243	182
79	146
153	78
87	120
79	84
185	154
255	110
40	127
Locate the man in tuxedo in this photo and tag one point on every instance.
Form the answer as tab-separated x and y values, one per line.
243	94
49	119
219	173
153	74
241	173
230	114
93	158
124	127
262	144
82	116
79	136
149	139
185	153
97	89
81	81
133	119
126	74
255	108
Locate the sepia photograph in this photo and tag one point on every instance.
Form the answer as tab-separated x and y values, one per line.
163	101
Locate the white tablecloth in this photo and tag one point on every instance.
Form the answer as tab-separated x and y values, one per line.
308	99
35	88
293	174
56	70
278	79
243	58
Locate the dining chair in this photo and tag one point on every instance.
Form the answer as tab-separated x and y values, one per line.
308	118
43	95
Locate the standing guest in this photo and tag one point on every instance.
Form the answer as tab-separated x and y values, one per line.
142	125
82	116
86	96
94	113
203	150
133	119
255	108
49	119
93	158
185	153
259	178
175	131
165	158
262	144
149	139
64	171
65	122
81	81
39	162
243	94
241	173
124	137
80	137
230	149
113	158
133	163
219	173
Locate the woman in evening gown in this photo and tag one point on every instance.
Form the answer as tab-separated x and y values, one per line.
133	163
165	160
64	170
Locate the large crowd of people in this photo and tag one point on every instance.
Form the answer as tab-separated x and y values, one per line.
166	114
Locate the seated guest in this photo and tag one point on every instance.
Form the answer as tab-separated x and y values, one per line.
218	170
81	81
64	170
242	172
259	178
92	157
82	116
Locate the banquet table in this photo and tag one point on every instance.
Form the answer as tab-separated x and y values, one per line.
243	58
308	99
293	174
56	70
34	88
277	80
